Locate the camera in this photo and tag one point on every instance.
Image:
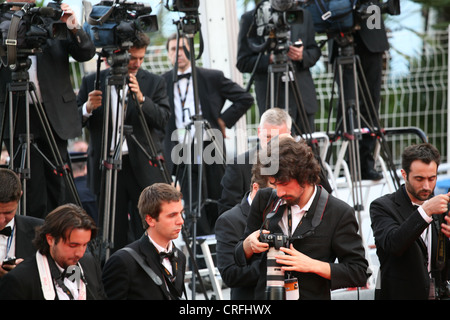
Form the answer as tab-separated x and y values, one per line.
275	289
190	23
276	240
335	16
115	24
272	22
24	32
186	5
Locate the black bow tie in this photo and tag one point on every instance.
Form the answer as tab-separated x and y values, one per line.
184	76
6	231
169	255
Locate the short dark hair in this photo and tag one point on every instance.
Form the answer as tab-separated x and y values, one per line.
153	196
10	186
59	224
257	177
141	41
174	36
296	160
424	152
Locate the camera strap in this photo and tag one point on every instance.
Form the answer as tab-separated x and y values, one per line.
273	205
104	14
157	280
11	41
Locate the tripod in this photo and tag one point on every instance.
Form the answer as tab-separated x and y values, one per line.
193	142
352	89
282	69
20	87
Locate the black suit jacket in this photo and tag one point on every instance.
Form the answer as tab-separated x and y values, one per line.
397	227
236	180
246	60
25	234
230	227
23	282
156	111
124	279
214	90
336	237
58	96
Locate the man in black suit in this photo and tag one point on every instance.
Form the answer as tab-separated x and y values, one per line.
161	209
411	230
303	58
138	171
370	43
214	90
319	228
50	72
16	231
60	269
230	227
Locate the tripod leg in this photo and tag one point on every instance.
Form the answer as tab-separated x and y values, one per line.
62	167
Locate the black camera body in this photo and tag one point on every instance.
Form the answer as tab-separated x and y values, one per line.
276	240
28	29
115	24
186	6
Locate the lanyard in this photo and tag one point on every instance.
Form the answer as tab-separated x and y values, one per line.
9	241
183	99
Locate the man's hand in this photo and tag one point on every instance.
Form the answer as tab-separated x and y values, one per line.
4	269
69	17
436	205
222	126
253	245
134	87
294	260
94	100
295	53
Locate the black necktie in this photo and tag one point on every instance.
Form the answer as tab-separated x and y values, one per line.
6	231
184	76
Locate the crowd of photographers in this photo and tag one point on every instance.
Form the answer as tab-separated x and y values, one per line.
281	234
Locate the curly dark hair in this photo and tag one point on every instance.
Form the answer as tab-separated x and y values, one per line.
295	160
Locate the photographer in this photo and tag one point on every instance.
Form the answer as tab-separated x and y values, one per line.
50	72
370	44
411	230
303	58
318	231
137	172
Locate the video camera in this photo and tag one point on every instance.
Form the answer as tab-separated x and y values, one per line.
25	31
334	16
190	23
116	23
272	22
